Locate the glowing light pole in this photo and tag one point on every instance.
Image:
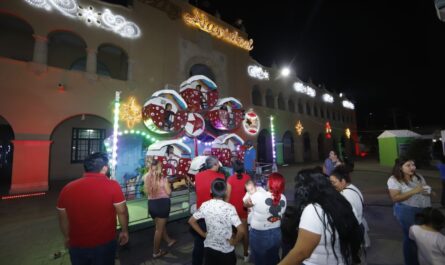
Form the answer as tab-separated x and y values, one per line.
115	134
274	154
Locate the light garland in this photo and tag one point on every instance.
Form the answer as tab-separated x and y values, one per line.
348	104
115	133
272	132
257	72
131	112
328	98
106	19
200	20
301	88
299	128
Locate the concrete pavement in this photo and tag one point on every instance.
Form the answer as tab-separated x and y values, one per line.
30	235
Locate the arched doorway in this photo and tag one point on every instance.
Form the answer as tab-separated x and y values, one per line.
264	146
202	69
74	139
6	155
306	147
288	148
321	151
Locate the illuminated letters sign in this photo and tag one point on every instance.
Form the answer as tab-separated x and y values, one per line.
200	20
348	104
328	98
105	19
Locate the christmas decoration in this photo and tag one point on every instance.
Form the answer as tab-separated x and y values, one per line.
299	128
131	112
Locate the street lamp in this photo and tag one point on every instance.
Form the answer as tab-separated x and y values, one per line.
285	71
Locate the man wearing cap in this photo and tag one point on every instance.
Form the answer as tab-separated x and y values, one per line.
249	159
87	210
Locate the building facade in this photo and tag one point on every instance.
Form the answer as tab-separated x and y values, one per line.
61	63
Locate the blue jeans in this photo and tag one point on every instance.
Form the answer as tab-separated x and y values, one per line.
99	255
265	245
405	215
198	246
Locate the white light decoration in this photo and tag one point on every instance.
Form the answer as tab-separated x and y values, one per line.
115	133
348	104
328	98
274	154
106	20
301	88
257	72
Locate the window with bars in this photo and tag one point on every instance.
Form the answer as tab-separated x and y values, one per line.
85	142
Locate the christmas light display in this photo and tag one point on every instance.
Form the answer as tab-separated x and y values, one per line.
328	130
201	21
257	72
274	154
301	88
348	104
348	133
299	128
131	112
115	133
328	98
105	19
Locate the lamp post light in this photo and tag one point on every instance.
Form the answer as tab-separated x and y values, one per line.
285	72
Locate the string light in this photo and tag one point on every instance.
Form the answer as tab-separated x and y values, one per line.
301	88
201	21
348	104
115	133
106	19
11	197
257	72
131	112
328	98
299	128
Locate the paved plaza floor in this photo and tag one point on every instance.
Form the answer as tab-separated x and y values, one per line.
30	234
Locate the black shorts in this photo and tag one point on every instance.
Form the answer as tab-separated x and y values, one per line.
159	208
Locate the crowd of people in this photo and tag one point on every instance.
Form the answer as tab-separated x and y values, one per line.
325	224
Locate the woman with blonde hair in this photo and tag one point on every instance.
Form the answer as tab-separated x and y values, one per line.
158	192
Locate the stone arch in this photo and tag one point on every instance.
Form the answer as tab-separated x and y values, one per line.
307	147
67	50
288	148
257	97
112	61
6	155
73	139
202	69
264	146
291	105
16	38
280	101
270	99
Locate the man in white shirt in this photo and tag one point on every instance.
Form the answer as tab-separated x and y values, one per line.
219	217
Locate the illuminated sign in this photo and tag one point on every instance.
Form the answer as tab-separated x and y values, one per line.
200	20
257	72
251	123
348	104
104	19
301	88
328	98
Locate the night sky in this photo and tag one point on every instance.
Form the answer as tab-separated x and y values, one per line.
386	56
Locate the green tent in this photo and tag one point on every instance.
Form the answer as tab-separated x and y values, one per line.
393	143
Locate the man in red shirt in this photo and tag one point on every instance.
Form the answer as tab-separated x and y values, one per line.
87	210
203	183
